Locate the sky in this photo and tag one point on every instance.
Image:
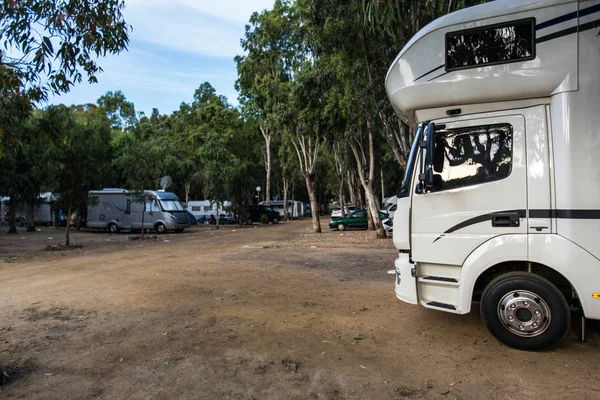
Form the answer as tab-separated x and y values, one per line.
175	46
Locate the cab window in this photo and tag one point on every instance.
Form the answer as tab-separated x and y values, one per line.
473	155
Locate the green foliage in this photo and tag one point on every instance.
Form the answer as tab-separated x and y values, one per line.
311	78
119	111
53	43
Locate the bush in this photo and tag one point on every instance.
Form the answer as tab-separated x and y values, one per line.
264	219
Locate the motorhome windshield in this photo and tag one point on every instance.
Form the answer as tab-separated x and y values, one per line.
410	166
171	205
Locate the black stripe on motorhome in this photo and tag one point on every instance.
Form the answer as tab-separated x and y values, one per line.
555	21
427	73
567	17
583	27
565	214
536	213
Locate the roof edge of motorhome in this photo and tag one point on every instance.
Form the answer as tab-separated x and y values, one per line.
482	11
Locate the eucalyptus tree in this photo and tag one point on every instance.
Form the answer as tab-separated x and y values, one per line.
221	123
388	26
15	111
119	111
52	44
265	72
82	146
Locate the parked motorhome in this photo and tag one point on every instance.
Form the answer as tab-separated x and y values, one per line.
119	209
42	210
295	208
203	209
500	202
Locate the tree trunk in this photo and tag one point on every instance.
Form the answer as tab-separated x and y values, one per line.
371	224
314	205
341	197
12	219
217	222
351	189
286	187
361	198
267	135
372	204
268	188
188	186
30	212
68	230
367	183
382	187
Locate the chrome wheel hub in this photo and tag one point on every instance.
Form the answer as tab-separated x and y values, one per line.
524	313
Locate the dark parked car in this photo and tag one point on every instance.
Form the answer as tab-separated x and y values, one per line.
256	212
357	220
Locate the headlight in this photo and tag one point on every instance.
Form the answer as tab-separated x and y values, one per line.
171	215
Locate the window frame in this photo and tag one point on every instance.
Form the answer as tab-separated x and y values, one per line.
512	149
487	27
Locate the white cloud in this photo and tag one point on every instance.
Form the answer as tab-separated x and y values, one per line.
212	28
175	46
238	10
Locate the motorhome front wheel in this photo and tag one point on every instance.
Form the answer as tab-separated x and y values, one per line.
161	228
525	311
113	228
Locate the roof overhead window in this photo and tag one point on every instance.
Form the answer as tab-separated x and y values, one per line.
490	45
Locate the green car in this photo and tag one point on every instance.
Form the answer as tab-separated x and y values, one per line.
357	220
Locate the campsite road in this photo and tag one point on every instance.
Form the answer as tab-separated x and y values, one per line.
273	312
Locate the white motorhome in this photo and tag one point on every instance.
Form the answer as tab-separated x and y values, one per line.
501	199
295	209
120	209
42	211
203	209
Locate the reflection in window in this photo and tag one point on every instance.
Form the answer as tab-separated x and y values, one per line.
468	156
495	44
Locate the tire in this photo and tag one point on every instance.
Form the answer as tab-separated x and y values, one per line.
113	228
179	230
275	220
341	226
161	228
525	311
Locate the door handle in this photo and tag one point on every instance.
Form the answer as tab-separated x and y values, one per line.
505	220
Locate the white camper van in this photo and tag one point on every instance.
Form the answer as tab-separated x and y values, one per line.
501	198
118	209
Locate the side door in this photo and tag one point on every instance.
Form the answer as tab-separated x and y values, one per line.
358	219
153	213
127	216
479	190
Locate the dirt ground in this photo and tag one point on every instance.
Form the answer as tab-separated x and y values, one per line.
271	312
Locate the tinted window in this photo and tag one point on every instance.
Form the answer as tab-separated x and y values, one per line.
468	156
196	208
493	44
